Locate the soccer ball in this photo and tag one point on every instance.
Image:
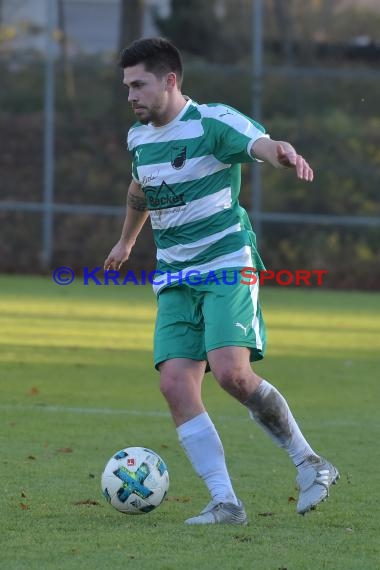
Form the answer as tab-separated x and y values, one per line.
135	480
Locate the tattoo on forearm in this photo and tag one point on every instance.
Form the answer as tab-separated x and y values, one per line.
136	202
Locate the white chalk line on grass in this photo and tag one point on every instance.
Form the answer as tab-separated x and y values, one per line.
101	411
352	422
81	410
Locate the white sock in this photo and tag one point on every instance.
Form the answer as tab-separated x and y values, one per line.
203	447
271	411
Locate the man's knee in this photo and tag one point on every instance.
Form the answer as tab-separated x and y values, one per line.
237	379
229	376
180	379
168	385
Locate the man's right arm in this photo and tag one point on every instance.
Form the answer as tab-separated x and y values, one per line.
137	214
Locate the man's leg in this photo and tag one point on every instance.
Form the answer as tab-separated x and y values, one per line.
181	381
231	367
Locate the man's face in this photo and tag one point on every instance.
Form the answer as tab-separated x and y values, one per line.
147	93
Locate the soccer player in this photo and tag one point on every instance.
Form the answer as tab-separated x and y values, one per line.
186	177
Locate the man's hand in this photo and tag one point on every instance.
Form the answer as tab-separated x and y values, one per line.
118	255
136	216
288	157
282	154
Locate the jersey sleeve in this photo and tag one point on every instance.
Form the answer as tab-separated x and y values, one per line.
131	147
233	135
135	175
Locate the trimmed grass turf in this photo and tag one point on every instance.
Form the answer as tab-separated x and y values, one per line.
77	384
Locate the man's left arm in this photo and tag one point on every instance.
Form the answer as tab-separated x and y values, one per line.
282	155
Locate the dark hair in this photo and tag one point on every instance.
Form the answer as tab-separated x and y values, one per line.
158	55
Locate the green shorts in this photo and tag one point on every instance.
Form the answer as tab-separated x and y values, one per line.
193	319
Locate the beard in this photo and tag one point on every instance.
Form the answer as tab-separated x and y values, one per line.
142	115
146	116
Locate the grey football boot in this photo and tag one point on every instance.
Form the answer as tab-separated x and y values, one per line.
221	513
314	482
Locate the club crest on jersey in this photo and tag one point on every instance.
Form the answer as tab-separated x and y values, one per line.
178	157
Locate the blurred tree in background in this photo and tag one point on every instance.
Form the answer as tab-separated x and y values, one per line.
130	27
213	26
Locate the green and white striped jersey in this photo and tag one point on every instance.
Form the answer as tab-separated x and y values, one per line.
190	172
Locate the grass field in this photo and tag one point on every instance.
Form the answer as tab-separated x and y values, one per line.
77	384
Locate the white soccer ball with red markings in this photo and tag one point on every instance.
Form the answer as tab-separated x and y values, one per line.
135	480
